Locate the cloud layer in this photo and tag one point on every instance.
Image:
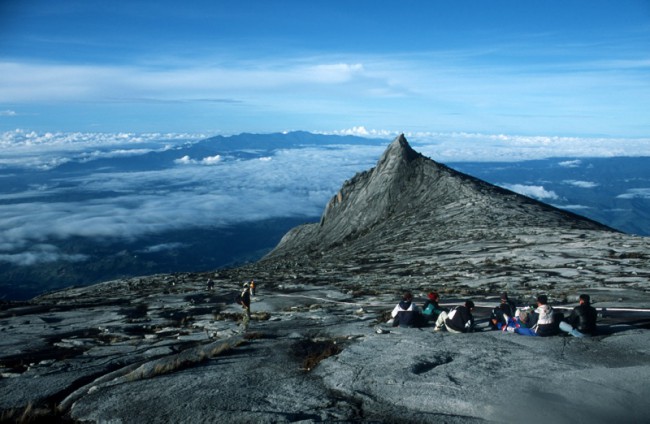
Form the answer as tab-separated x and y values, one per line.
438	90
536	192
211	191
42	203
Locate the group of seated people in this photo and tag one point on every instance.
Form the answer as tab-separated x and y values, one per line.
539	320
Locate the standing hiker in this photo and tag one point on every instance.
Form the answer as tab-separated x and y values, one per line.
245	302
252	287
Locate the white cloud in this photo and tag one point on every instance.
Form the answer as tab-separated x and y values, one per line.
41	253
46	150
162	247
478	147
291	183
333	73
570	163
185	160
581	184
635	193
573	207
361	131
35	82
537	192
8	113
209	160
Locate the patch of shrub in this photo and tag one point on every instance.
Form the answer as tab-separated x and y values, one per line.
384	317
31	414
226	316
632	255
135	312
252	335
312	352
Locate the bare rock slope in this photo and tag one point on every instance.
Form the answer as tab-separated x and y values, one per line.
414	195
413	223
164	348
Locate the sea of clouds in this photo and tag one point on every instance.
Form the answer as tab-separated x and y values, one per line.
216	190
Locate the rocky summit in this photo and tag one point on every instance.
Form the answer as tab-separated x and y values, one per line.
417	198
170	348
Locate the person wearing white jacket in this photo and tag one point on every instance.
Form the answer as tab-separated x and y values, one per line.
406	313
544	326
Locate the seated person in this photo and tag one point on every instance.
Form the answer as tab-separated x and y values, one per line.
431	309
502	313
406	313
458	320
582	321
544	325
520	324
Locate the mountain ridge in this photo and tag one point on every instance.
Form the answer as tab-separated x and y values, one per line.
408	188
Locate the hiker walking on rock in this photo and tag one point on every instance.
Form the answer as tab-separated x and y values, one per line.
245	302
582	321
252	286
459	320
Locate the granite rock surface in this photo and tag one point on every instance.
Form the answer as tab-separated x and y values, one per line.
164	348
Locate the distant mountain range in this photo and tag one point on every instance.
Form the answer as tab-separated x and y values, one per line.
227	201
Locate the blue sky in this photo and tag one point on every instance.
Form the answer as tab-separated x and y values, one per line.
543	68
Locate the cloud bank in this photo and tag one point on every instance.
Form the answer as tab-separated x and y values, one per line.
536	192
212	191
581	184
636	193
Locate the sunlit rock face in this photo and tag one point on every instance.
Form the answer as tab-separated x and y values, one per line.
409	194
413	223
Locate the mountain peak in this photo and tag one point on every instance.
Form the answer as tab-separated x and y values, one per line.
417	198
398	152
